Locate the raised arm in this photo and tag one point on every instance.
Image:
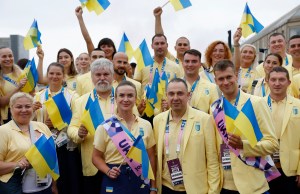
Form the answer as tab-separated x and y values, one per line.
40	54
237	53
158	26
84	31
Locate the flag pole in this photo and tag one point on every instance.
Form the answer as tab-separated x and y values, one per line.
165	4
122	163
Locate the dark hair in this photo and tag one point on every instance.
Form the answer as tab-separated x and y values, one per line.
280	69
22	63
193	52
159	35
223	65
133	65
294	37
178	80
126	83
56	65
72	71
275	55
276	34
109	42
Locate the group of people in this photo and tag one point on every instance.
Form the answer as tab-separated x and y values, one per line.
190	144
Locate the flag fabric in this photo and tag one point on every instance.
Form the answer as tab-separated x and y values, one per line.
93	117
164	82
156	91
139	154
59	111
31	74
180	4
247	124
249	23
126	47
33	37
98	6
42	156
143	56
231	114
149	110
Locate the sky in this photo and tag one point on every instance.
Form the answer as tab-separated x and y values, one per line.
204	22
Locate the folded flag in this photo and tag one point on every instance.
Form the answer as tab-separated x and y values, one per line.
139	154
33	37
143	56
31	74
249	23
98	6
126	47
42	156
93	117
59	111
247	124
180	4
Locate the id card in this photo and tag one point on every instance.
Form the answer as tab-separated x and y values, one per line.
175	171
61	139
225	157
41	181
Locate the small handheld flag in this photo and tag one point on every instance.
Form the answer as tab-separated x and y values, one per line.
143	56
180	4
31	74
249	23
98	6
33	37
126	47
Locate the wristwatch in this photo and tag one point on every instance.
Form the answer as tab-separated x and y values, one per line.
153	189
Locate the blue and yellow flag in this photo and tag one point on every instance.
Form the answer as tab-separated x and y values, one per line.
42	156
139	154
33	37
180	4
59	111
143	56
156	92
247	124
93	117
31	74
98	6
249	23
126	47
149	110
231	114
164	82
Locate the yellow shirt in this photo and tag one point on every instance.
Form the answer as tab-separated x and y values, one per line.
246	78
71	82
88	168
84	84
277	115
5	88
203	96
103	142
171	69
174	130
14	144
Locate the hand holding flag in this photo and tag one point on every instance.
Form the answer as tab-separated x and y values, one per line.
33	37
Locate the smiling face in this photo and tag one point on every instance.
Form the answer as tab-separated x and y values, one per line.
125	98
247	56
278	83
191	64
65	59
102	79
55	76
270	62
218	54
6	58
227	81
277	44
120	62
294	48
182	45
22	110
108	50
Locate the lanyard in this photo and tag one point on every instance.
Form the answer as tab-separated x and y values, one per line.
246	75
47	92
162	69
112	100
177	61
286	61
237	99
5	77
210	77
194	86
263	89
179	137
270	103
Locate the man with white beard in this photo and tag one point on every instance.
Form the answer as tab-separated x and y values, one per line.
102	74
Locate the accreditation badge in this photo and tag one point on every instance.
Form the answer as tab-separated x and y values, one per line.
225	157
276	156
175	171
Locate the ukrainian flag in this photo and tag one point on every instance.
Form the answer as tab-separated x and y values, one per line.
126	47
156	92
180	4
31	74
231	114
247	124
97	6
33	37
143	56
149	110
59	111
164	82
139	154
249	23
42	156
93	117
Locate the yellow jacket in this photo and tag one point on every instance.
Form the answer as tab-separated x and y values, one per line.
84	84
247	179
290	137
199	162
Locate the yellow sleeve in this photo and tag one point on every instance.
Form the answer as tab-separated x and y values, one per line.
75	121
99	139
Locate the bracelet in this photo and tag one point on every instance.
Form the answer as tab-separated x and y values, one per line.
153	189
107	173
